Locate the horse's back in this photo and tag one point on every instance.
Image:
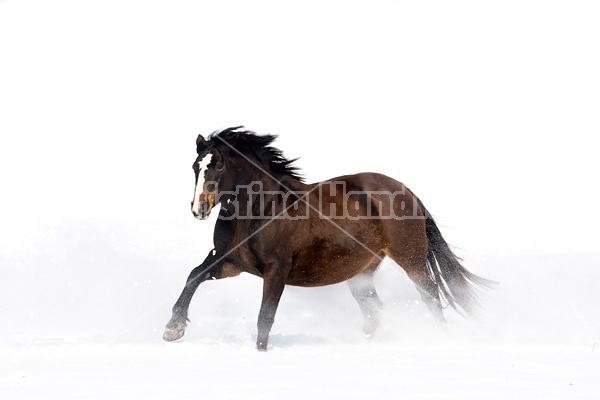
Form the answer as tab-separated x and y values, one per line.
368	181
386	197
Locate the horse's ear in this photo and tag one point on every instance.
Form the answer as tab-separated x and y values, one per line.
200	144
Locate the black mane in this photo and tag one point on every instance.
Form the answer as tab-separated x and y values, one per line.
248	142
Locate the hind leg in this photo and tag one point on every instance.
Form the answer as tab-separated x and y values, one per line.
418	272
364	292
429	292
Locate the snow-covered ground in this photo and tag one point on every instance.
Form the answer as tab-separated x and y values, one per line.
487	110
356	371
537	336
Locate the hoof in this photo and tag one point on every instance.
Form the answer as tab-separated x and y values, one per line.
370	328
171	335
262	347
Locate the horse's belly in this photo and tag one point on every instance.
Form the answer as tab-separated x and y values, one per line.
327	270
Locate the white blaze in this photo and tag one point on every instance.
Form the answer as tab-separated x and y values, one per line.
202	165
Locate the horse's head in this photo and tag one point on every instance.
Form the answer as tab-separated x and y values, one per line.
212	167
236	157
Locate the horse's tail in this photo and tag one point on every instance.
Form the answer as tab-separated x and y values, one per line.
455	283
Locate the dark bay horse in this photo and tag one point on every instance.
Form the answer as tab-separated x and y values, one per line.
273	225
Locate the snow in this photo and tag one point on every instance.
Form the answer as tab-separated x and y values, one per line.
527	343
324	371
487	111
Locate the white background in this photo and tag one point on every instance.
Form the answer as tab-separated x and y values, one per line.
488	111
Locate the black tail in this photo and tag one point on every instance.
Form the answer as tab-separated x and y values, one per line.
455	283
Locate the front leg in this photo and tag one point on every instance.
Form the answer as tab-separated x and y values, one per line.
213	267
274	277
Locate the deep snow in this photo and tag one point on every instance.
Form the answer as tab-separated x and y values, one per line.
486	110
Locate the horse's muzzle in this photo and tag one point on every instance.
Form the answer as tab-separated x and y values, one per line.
205	205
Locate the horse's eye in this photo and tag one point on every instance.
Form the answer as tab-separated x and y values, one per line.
220	167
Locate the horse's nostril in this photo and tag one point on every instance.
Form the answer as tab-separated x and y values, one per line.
201	210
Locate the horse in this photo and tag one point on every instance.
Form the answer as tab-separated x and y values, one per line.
274	225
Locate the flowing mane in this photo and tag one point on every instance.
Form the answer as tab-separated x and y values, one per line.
249	143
